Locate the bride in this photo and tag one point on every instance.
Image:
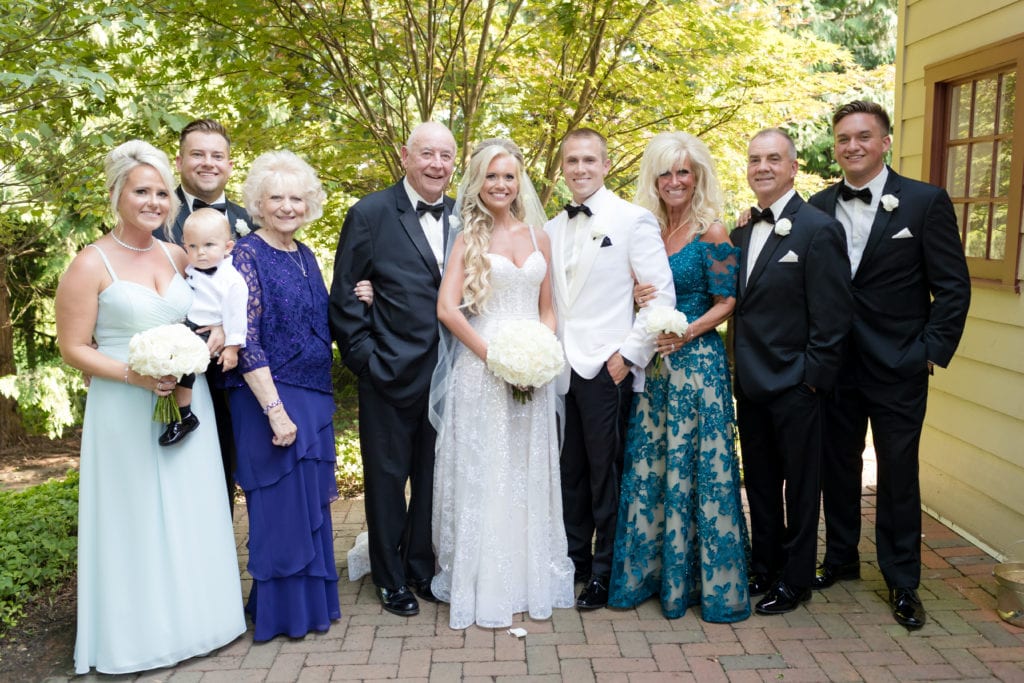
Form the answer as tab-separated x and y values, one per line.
497	514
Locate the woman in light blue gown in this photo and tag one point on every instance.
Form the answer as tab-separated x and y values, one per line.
158	577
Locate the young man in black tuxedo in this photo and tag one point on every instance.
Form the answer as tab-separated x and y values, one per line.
395	239
204	166
911	291
793	309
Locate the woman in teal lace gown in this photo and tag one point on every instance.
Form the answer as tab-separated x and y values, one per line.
681	533
157	571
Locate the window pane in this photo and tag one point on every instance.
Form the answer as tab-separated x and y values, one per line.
1009	85
960	112
977	230
985	106
956	172
1003	158
998	249
981	169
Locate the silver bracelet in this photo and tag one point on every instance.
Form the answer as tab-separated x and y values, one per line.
270	406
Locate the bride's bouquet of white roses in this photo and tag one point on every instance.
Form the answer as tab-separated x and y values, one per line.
526	354
167	350
662	319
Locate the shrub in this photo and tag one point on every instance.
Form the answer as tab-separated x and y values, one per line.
38	543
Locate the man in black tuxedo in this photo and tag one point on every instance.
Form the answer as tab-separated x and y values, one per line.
793	309
204	166
911	292
395	238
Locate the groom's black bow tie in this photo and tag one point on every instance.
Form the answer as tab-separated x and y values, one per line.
757	215
572	210
848	193
200	204
436	210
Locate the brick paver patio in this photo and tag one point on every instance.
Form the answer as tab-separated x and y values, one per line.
845	633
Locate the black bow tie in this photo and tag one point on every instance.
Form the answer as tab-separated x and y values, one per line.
436	210
848	193
207	271
757	215
572	210
200	204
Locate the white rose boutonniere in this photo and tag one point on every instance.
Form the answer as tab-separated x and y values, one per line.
598	234
889	202
241	227
783	227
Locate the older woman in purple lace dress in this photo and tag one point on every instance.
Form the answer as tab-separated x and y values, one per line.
282	404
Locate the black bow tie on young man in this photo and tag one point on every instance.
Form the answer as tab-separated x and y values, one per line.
573	209
200	204
757	215
848	193
435	210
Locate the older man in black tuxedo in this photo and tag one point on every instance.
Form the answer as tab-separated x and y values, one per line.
793	309
204	166
911	292
395	239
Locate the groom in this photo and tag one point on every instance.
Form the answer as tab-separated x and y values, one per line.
599	244
395	238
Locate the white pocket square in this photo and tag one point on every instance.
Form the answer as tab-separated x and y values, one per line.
790	257
903	234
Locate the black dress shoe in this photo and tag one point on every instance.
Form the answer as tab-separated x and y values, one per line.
422	590
827	574
759	584
782	598
176	431
400	601
595	595
907	608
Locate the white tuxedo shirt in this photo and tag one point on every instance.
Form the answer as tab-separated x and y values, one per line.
595	310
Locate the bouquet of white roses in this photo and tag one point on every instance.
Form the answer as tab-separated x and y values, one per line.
167	350
662	319
526	354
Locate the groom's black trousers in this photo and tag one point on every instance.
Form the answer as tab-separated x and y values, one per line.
596	412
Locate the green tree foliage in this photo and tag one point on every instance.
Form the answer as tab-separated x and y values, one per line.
344	81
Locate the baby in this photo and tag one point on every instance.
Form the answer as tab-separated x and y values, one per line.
220	298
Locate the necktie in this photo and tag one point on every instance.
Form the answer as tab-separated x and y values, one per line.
573	210
435	210
205	271
200	204
848	193
757	215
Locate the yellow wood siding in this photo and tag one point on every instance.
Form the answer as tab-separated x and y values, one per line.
972	449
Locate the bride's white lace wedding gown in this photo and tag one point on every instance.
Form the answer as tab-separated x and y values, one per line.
497	516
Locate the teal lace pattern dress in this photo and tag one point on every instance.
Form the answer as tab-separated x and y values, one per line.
681	533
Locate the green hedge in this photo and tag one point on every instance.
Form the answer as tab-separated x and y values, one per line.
38	543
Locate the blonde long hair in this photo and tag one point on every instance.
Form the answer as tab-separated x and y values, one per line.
478	221
666	151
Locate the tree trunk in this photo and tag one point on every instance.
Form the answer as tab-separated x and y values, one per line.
11	429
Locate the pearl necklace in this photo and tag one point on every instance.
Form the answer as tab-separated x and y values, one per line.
152	243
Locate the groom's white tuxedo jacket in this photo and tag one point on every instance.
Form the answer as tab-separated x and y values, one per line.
595	308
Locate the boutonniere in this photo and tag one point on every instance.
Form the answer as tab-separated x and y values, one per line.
598	234
783	226
241	227
889	202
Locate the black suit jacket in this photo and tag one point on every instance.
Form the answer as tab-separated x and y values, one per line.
794	311
394	341
912	288
234	213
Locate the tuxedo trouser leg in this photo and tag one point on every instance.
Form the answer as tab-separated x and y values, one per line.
386	438
897	416
762	478
797	414
225	435
579	524
417	547
842	466
603	408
